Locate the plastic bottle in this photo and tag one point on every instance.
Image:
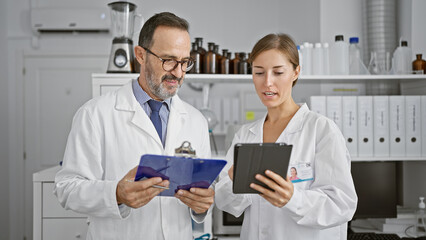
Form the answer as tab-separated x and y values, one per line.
420	219
326	58
307	58
299	50
339	57
401	61
317	60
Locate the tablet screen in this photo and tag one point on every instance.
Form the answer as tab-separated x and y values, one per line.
255	158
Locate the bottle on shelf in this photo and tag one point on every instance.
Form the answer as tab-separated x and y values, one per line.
339	57
326	58
299	51
233	68
210	60
218	58
307	58
224	62
248	64
420	226
317	60
373	66
401	61
202	52
195	54
419	64
242	64
356	66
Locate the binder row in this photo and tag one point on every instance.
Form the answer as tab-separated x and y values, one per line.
378	126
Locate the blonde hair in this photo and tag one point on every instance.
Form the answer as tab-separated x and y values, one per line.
282	42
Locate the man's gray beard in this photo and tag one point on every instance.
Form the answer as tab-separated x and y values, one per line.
158	89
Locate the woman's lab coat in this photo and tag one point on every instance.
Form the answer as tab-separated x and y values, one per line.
108	136
318	209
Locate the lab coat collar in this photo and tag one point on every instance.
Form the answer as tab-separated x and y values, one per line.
295	124
126	101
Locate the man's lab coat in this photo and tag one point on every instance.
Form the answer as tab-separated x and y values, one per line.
108	136
319	209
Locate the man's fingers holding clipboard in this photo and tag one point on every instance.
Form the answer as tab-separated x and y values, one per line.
198	199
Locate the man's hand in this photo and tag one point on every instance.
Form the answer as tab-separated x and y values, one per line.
138	194
198	199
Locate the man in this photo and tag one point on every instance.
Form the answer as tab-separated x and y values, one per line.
110	133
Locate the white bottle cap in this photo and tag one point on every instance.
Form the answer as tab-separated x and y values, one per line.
317	45
421	203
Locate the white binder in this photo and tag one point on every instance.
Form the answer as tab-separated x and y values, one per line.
334	109
397	126
381	126
413	127
423	114
365	126
318	105
350	124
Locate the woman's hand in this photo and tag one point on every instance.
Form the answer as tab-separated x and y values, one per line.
231	173
282	188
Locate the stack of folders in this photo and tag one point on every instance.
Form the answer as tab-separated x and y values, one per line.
378	126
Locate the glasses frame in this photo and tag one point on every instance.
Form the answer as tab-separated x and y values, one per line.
190	60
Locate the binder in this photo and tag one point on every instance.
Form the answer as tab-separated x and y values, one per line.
413	127
334	109
423	114
365	126
350	124
397	126
381	126
318	105
182	172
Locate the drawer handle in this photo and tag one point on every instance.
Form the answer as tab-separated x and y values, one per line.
78	235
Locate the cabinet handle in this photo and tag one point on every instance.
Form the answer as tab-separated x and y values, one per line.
78	235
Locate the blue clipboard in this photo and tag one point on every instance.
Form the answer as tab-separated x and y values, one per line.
182	172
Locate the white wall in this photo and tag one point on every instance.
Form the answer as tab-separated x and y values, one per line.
4	126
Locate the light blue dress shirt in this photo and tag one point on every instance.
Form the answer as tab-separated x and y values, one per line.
142	97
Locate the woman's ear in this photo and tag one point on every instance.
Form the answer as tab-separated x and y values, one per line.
296	73
139	54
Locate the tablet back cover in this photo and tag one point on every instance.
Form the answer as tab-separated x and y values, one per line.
255	158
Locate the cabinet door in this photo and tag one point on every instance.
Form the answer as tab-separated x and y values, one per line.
51	206
54	88
64	229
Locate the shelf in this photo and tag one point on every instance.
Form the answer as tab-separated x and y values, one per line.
383	159
247	78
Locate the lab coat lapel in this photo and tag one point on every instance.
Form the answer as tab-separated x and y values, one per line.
256	131
126	101
177	117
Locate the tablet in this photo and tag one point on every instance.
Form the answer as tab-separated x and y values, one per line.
255	158
182	172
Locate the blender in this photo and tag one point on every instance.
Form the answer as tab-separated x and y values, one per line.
121	59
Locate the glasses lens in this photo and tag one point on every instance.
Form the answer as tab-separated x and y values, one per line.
188	65
169	65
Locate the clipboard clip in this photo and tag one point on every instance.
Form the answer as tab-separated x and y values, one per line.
185	150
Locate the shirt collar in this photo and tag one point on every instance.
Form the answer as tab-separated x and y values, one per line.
142	97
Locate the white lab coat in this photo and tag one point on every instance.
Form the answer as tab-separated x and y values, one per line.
108	136
318	209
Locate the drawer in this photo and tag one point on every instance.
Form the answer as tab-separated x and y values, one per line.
51	206
64	229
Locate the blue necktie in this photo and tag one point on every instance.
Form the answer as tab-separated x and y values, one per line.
155	116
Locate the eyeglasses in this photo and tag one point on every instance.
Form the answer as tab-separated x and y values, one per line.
171	64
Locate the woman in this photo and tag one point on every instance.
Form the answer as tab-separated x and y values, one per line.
317	206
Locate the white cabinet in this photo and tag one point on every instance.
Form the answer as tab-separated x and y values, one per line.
51	221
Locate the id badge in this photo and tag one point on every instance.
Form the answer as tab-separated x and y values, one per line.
300	172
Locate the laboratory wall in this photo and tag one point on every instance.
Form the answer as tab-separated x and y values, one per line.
4	125
235	25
